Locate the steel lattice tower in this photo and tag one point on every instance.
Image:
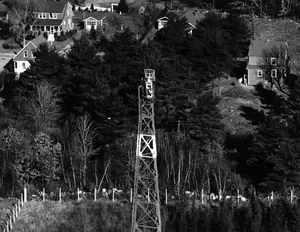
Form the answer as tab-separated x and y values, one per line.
146	206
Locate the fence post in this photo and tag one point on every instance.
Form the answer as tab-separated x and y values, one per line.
43	194
95	194
25	194
272	196
19	205
77	194
113	195
59	194
130	195
166	193
148	196
7	226
13	215
22	199
10	223
16	210
202	197
238	196
292	195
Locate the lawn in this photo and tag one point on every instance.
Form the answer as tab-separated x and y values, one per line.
236	97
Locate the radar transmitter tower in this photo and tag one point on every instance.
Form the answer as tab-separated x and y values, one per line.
146	207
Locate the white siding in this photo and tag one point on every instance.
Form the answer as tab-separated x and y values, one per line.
255	60
19	66
161	24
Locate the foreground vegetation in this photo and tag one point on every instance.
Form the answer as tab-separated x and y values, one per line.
90	216
70	122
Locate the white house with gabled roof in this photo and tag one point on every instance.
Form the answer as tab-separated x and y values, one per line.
22	58
95	20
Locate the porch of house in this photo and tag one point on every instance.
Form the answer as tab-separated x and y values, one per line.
48	29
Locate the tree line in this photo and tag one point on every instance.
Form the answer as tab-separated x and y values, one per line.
72	120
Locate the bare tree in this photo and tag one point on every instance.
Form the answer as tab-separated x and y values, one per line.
83	143
42	106
276	68
218	165
25	15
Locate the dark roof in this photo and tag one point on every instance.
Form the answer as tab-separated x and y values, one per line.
190	17
148	35
39	40
48	22
170	15
3	8
52	6
96	15
257	46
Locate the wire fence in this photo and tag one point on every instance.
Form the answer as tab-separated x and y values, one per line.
118	196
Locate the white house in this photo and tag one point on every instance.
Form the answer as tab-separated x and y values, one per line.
21	59
96	21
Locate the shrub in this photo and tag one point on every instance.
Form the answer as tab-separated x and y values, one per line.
6	46
277	216
293	216
122	7
45	35
61	38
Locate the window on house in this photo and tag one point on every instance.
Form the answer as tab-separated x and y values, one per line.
259	73
32	55
53	16
23	65
42	15
273	61
16	65
25	53
273	73
91	23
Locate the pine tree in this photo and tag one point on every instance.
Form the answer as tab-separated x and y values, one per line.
93	33
293	215
123	7
92	7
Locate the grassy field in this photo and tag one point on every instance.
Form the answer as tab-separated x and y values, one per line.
73	216
235	99
6	206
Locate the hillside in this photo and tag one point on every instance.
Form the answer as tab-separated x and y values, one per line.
240	105
280	29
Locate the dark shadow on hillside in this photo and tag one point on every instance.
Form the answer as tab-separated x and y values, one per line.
253	115
239	70
270	99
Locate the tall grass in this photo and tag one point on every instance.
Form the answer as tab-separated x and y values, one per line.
182	217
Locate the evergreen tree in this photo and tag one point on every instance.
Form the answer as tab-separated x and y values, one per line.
122	7
93	33
92	7
277	216
293	217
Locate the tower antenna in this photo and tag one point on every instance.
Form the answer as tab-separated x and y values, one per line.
146	215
